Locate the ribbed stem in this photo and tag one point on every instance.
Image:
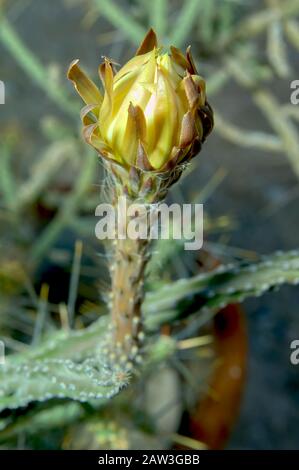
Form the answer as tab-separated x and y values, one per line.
127	270
130	256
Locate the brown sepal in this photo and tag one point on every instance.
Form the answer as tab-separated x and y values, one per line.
191	91
179	58
142	160
148	44
103	70
147	187
88	131
207	118
188	130
126	190
174	159
196	147
134	177
191	68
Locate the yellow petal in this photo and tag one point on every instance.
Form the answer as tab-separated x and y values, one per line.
125	139
86	88
162	122
125	94
92	136
106	73
137	93
106	70
89	114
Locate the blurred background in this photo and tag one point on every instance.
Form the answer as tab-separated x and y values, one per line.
246	175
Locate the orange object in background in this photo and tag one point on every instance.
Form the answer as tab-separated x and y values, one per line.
213	418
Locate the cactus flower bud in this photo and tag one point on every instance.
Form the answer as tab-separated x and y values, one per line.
153	114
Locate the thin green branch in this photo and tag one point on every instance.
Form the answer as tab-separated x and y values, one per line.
67	211
41	315
245	138
8	184
226	284
292	32
158	16
185	22
258	22
284	127
121	20
276	50
46	168
74	282
206	20
269	106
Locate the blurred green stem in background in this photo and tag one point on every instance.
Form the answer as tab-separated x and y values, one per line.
68	209
185	21
32	66
158	17
260	21
207	12
121	20
192	12
7	181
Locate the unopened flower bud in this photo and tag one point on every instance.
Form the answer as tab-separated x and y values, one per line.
153	114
